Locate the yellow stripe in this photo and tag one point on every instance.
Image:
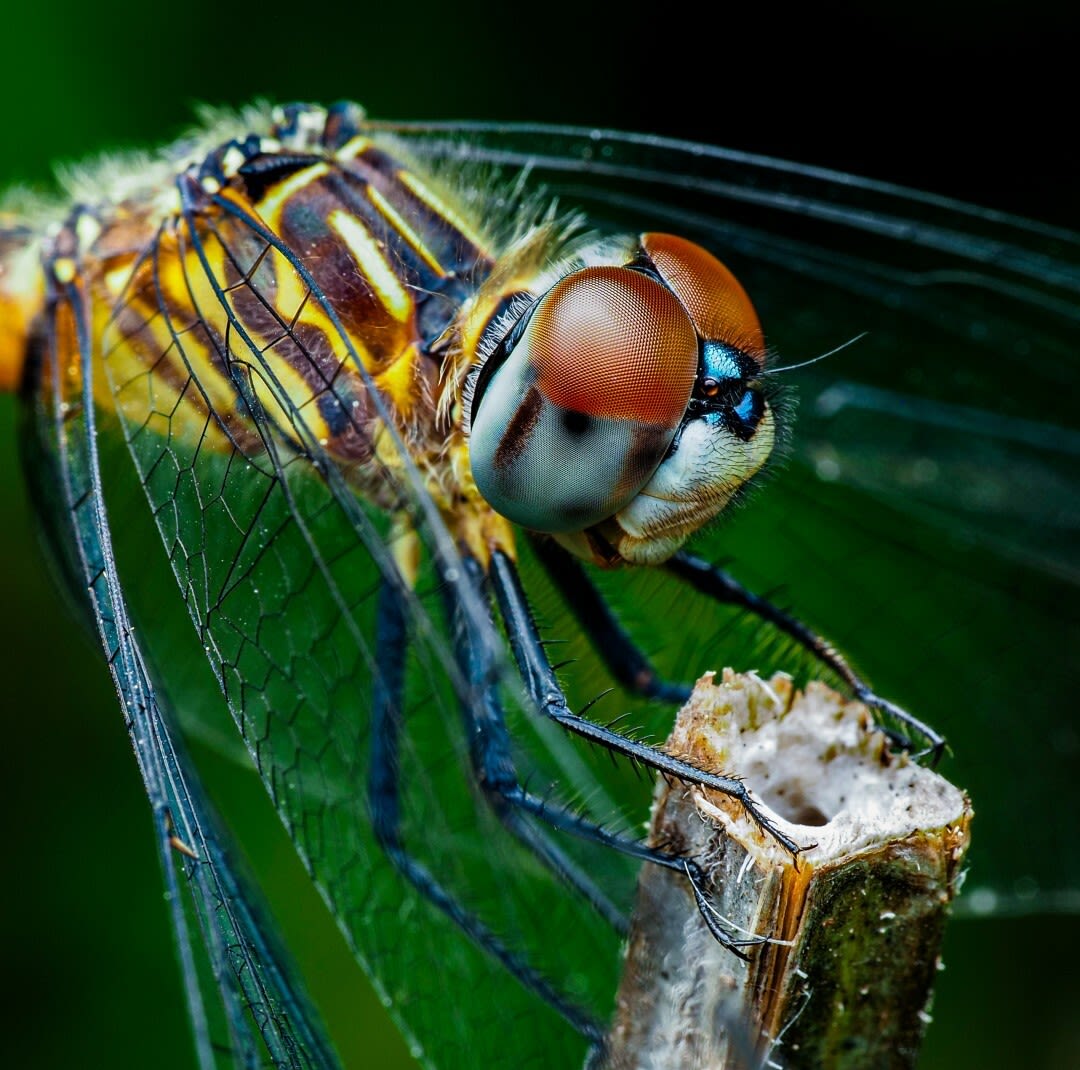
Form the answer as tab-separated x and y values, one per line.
272	203
398	380
142	392
117	278
410	181
391	215
197	350
292	388
64	270
353	147
375	267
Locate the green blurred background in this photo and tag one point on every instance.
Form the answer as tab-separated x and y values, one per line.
965	99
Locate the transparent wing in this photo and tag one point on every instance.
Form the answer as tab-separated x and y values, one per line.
238	982
925	518
285	568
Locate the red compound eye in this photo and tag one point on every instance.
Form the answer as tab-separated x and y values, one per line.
615	344
574	422
714	298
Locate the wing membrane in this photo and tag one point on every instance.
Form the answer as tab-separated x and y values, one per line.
280	549
924	517
264	1011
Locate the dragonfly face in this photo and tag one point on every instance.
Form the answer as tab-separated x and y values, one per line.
623	408
308	361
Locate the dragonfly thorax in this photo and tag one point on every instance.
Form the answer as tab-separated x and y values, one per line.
622	409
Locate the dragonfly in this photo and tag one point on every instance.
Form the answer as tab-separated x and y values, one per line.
250	363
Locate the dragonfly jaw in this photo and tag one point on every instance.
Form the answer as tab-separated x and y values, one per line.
693	485
696	482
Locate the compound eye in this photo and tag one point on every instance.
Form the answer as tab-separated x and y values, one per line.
714	298
577	417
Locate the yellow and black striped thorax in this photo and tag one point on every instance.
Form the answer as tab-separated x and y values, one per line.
308	291
304	278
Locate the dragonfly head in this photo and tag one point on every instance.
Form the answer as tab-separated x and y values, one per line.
623	408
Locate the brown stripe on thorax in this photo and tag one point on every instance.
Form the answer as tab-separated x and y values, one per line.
294	330
393	269
406	243
449	237
367	242
381	324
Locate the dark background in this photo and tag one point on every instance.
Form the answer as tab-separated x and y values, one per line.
977	101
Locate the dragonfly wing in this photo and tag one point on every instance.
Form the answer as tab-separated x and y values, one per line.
219	918
924	518
280	549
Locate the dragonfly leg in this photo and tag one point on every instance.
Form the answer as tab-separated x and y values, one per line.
384	799
495	772
543	687
616	649
717	584
496	776
556	860
559	817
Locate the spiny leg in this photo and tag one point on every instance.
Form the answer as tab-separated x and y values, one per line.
544	689
616	649
494	766
632	669
384	799
717	584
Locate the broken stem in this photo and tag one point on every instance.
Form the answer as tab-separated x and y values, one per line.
854	925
